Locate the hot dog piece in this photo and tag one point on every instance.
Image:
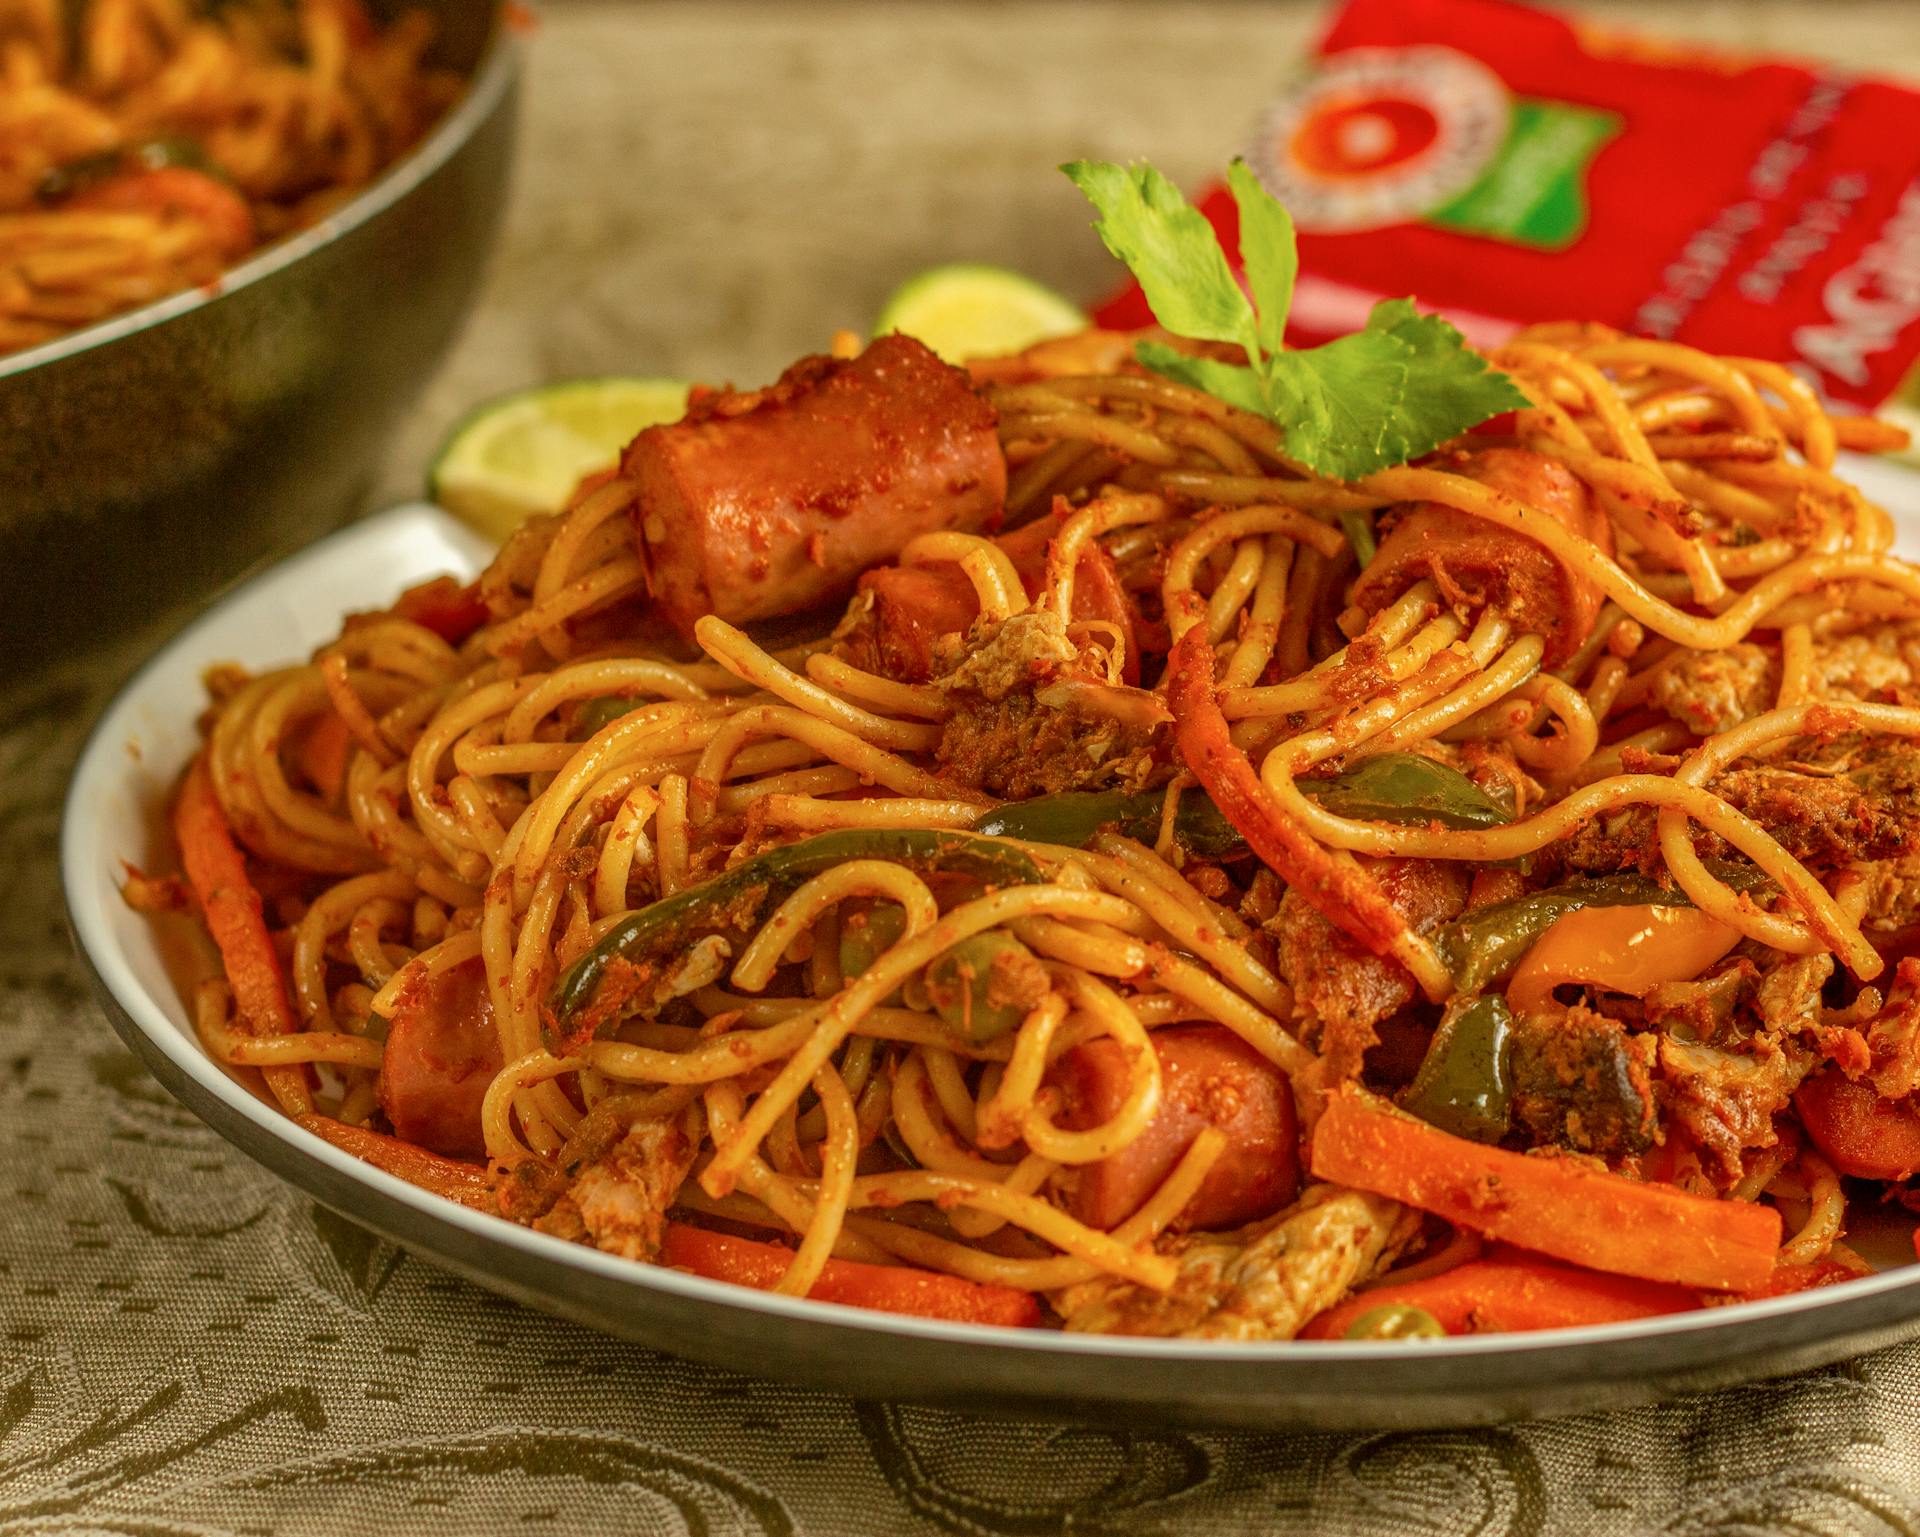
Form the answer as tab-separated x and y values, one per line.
441	1055
1210	1077
1482	565
914	606
771	501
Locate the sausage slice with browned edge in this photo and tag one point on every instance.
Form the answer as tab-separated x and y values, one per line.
441	1056
1209	1077
1482	564
771	501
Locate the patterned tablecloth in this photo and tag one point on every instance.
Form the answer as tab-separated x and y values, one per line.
189	1347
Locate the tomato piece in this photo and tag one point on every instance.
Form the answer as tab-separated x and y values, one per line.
1209	1077
1860	1133
442	1054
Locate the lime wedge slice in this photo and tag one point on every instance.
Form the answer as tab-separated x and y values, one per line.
525	452
966	312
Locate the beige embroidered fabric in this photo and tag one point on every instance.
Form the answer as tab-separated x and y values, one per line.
186	1346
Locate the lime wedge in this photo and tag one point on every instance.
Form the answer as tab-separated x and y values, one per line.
966	312
525	452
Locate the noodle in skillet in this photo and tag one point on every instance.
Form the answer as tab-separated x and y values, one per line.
1004	936
148	146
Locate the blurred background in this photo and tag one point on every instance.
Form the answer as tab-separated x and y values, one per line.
708	188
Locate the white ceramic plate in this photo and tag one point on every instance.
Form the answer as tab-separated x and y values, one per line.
129	768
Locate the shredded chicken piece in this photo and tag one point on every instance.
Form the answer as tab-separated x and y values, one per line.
1028	718
1726	1100
1341	990
1893	1036
1260	1283
1713	691
618	1202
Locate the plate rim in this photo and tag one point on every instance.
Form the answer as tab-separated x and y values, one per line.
322	1171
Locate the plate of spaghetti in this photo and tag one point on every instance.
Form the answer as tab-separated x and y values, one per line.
1087	879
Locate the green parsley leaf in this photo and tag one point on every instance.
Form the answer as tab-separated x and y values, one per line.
1384	395
1267	251
1170	248
1235	383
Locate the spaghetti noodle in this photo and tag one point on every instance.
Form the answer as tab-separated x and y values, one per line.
1114	915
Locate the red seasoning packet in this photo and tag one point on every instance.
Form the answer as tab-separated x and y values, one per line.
1506	165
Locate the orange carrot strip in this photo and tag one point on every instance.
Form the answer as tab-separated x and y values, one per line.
885	1288
234	916
467	1183
1549	1203
322	755
1340	893
1510	1291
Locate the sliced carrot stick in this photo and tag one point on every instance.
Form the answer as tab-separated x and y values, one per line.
1510	1291
885	1288
470	1184
1550	1203
1338	892
234	916
321	755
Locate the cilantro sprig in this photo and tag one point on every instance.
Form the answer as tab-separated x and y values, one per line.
1378	397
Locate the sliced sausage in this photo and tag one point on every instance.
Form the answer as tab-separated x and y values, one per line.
1484	565
1210	1077
772	501
441	1055
914	606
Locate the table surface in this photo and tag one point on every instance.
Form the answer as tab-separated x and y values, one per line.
710	189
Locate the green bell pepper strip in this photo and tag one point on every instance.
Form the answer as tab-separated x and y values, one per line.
732	898
1462	1086
1484	946
1071	818
1388	787
1406	788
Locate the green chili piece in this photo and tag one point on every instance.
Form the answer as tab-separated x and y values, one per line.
961	986
1462	1086
1072	817
1485	945
1388	787
735	897
1396	1321
1407	788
